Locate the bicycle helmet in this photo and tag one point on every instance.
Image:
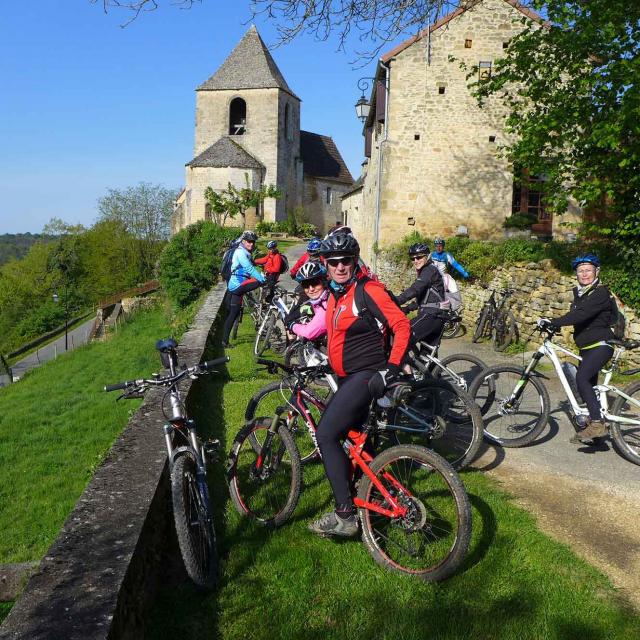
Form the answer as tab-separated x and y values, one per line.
311	270
314	246
439	240
249	236
339	228
589	258
339	245
272	244
419	249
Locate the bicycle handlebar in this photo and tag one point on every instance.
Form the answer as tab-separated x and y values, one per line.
162	381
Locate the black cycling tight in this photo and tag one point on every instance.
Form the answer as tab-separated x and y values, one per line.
426	328
587	376
348	409
235	304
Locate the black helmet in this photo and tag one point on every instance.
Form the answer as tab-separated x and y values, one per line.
249	236
272	244
310	270
339	244
419	249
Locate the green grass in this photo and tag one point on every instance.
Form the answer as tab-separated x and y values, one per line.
56	426
516	582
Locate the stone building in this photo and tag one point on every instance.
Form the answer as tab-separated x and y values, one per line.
248	133
431	161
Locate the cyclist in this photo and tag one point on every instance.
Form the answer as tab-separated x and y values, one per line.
591	314
245	277
358	355
310	254
442	259
308	319
429	294
272	267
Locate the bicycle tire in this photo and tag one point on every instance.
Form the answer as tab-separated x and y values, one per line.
456	419
193	522
264	333
265	402
498	428
270	497
293	354
481	324
626	438
440	514
504	331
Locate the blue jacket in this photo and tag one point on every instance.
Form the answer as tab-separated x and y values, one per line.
242	268
442	259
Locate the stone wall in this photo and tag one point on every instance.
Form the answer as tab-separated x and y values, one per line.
99	576
441	166
541	291
316	208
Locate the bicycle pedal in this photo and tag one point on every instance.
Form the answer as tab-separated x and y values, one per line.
211	449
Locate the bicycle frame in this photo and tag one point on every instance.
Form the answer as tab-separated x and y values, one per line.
430	353
550	350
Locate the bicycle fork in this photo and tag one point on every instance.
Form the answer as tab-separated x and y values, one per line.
512	401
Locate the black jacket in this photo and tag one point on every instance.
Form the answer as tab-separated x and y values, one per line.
591	316
427	289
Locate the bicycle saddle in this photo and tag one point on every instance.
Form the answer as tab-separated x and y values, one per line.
626	344
166	345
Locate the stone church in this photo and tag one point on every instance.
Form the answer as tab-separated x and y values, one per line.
431	153
248	133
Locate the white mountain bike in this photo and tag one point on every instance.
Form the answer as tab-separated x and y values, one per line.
520	402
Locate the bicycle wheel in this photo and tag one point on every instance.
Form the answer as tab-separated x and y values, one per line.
431	540
443	418
513	426
626	437
481	324
273	398
265	485
193	521
466	369
504	331
278	336
294	354
264	334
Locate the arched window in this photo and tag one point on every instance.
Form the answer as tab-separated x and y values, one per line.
237	117
207	212
288	128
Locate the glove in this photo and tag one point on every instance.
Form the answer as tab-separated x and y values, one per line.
547	324
381	379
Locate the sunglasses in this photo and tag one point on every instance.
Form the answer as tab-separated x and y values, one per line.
416	258
334	262
307	284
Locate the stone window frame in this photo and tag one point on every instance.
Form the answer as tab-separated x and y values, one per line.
329	195
229	107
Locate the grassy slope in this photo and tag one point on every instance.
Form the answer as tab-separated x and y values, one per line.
516	582
55	427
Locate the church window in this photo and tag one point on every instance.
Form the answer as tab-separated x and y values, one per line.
237	117
329	195
207	212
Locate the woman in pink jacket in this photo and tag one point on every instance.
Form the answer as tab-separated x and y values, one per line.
308	319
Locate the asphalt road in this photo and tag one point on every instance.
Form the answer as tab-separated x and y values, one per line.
76	337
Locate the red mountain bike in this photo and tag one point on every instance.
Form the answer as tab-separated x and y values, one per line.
413	508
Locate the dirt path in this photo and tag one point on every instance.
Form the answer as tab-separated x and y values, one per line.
601	526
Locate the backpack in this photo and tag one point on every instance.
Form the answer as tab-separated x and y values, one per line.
227	259
453	299
377	324
618	319
284	264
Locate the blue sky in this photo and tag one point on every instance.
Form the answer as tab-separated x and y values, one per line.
86	105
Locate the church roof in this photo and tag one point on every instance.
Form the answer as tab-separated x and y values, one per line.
248	66
321	158
226	153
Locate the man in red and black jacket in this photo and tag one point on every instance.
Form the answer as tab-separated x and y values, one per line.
357	352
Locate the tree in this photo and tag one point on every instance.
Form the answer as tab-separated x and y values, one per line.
145	211
136	7
233	201
572	88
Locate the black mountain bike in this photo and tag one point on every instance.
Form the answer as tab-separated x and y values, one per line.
187	464
497	321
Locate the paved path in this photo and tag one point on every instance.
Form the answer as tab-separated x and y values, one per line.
77	337
586	497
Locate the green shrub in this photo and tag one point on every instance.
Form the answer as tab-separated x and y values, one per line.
190	263
519	221
263	228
